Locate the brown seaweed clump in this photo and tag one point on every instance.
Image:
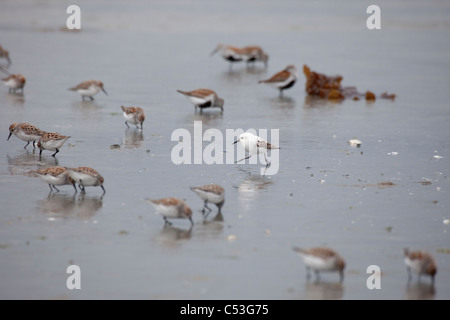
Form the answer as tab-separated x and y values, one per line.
323	86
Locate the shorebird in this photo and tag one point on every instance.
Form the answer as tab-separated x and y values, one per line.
283	80
210	193
52	141
14	82
134	115
89	88
172	208
203	98
86	177
321	259
55	176
25	132
5	54
254	54
230	53
254	145
421	263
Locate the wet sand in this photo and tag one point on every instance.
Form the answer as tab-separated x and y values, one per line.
367	203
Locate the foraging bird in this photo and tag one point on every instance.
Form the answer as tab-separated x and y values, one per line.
14	82
321	259
210	193
254	54
89	88
421	263
283	80
5	54
55	176
172	208
52	141
134	115
25	132
254	145
86	177
230	53
203	98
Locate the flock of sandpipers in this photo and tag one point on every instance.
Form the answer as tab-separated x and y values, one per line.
317	259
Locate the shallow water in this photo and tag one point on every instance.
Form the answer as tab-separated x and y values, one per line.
325	192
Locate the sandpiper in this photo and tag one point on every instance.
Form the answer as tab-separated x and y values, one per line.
210	193
25	132
283	80
51	141
254	54
254	145
55	176
421	263
230	53
321	259
134	115
14	82
203	98
86	177
172	208
5	54
89	88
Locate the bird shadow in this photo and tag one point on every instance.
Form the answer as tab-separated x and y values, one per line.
133	138
15	98
420	291
70	205
208	117
324	290
171	236
29	160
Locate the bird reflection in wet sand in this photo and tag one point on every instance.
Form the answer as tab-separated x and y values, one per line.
27	161
15	99
420	291
172	236
133	138
207	118
324	291
60	205
253	183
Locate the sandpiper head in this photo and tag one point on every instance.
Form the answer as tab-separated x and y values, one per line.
21	78
187	211
12	128
340	264
243	137
5	54
218	48
291	68
100	84
220	103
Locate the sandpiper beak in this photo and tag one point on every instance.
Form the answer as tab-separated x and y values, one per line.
215	50
104	91
9	136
